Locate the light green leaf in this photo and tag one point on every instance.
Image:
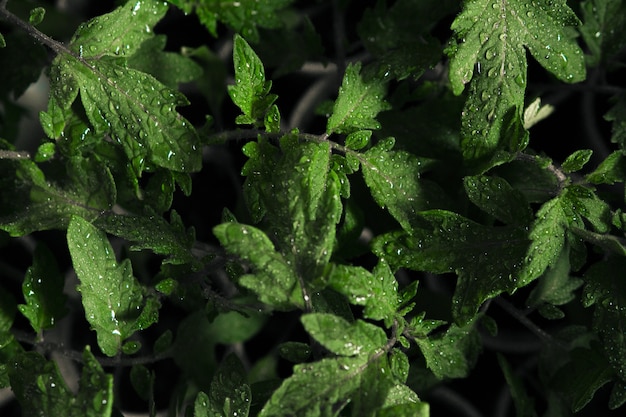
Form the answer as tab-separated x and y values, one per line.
274	279
3	42
114	301
230	392
358	103
322	388
493	37
243	16
344	338
377	290
43	291
36	16
251	91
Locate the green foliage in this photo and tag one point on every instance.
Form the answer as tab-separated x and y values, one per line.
357	207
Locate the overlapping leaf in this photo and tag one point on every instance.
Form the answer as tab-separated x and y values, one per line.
41	390
114	301
493	36
133	107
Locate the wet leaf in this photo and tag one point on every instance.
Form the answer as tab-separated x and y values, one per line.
344	338
43	291
493	36
358	103
115	303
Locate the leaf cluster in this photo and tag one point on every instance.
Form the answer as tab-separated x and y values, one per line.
187	222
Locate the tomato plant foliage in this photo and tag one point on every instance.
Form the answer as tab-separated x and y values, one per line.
313	208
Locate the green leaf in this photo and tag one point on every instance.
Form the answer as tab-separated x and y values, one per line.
576	161
358	103
377	290
524	404
493	37
230	392
36	16
274	279
168	67
33	202
393	178
243	16
606	290
136	109
451	354
43	291
202	406
488	260
580	378
603	29
3	42
41	390
115	303
344	338
556	287
398	36
153	232
495	196
296	193
251	91
611	170
323	388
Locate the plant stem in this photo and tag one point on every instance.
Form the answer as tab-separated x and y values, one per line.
41	37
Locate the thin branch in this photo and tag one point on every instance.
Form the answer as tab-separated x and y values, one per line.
56	46
77	356
526	322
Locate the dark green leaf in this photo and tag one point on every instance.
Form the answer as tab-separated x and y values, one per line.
607	291
603	29
358	103
452	354
243	16
230	392
524	404
168	67
43	291
115	303
610	171
496	196
582	377
274	279
153	232
577	160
